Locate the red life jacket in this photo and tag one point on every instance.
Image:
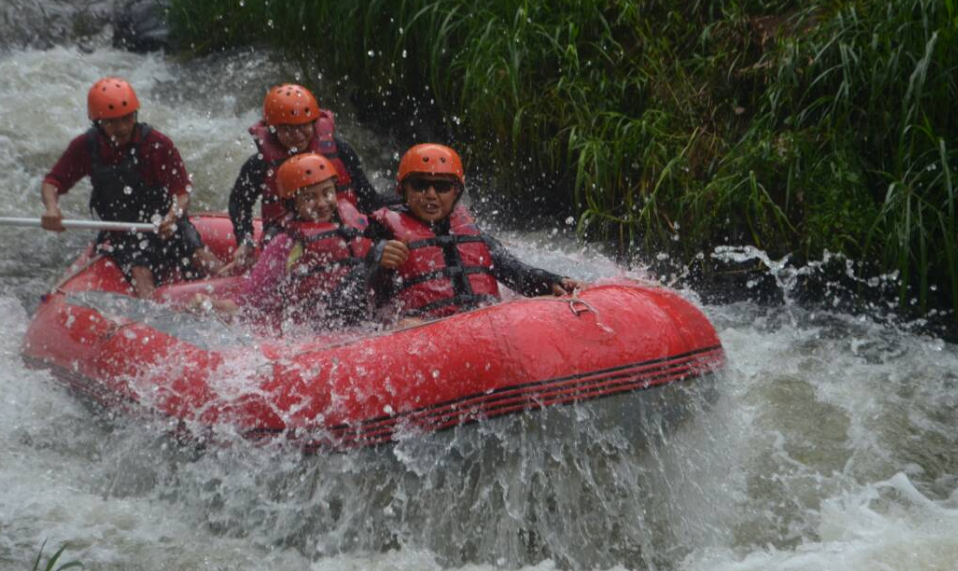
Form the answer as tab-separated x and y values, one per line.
443	274
274	153
322	254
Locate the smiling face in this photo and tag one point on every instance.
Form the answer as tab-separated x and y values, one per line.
431	197
317	203
295	136
120	129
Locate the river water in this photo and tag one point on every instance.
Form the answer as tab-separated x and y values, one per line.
832	444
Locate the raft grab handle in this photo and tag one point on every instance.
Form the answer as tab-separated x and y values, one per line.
578	307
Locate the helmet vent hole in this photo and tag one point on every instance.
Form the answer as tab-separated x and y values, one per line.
425	159
442	159
111	106
309	172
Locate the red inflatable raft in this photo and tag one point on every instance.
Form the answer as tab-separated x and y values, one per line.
350	390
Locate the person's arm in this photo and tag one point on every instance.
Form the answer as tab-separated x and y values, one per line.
523	278
261	289
171	173
181	202
73	165
368	200
246	191
52	218
381	262
205	303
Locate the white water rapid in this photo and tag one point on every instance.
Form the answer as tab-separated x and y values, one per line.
833	443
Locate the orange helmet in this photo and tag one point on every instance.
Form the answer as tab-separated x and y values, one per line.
303	170
290	104
430	158
111	97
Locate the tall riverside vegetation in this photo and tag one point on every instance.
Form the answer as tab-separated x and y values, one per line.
799	127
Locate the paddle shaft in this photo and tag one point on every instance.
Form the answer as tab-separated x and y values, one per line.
84	224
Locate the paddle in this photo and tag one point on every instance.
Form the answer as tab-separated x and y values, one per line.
85	224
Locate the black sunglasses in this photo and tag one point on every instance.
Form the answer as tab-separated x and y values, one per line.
441	186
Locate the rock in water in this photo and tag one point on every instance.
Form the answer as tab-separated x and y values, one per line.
140	26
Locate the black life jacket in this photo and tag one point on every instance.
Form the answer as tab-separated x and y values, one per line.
119	191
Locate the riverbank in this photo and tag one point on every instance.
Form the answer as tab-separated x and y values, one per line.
801	128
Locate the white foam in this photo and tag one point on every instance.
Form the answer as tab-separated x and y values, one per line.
832	445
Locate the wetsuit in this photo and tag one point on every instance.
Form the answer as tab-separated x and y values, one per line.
504	267
132	183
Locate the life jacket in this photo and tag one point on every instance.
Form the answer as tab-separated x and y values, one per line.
119	191
443	274
274	153
322	254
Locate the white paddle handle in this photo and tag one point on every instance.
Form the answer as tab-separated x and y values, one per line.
85	224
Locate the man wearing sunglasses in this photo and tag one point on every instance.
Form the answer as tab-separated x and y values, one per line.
431	260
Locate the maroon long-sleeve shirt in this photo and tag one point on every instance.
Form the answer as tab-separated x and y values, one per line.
161	164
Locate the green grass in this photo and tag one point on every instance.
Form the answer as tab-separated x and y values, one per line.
51	564
799	127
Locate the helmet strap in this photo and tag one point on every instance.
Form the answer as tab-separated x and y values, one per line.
462	190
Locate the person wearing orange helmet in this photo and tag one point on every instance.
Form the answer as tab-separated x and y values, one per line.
433	258
137	176
292	123
311	273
